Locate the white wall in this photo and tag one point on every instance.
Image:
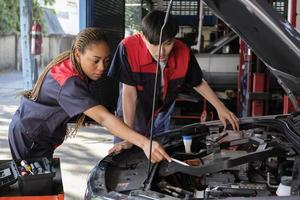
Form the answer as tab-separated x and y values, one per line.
67	12
8	50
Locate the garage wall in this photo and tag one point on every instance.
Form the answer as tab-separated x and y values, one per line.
110	17
8	50
54	45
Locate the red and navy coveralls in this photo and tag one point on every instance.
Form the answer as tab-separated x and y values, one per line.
38	127
133	65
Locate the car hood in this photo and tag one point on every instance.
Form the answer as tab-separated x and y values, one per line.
272	37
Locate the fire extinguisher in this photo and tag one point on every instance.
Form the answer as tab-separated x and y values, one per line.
36	39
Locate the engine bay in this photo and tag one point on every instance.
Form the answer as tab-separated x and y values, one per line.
260	161
253	162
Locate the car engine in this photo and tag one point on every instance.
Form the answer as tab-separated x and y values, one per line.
259	161
253	162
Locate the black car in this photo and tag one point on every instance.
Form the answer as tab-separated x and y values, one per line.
261	161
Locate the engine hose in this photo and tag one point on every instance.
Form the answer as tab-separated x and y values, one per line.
285	165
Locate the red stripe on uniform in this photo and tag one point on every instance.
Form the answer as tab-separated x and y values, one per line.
141	61
179	60
63	71
138	55
140	87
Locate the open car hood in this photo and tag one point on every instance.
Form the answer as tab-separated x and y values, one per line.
252	162
272	37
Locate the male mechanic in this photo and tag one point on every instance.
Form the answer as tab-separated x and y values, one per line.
134	65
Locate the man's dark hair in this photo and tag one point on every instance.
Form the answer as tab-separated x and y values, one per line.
152	23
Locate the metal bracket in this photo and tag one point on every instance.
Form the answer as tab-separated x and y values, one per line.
289	93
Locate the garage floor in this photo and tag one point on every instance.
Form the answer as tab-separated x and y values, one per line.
78	155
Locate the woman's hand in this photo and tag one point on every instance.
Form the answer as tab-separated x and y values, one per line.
225	115
157	152
117	148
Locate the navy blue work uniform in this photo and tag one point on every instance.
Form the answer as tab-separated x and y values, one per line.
38	127
133	65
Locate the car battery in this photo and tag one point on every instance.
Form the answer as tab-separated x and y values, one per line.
34	178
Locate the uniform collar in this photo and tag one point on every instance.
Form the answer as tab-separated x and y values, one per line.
149	60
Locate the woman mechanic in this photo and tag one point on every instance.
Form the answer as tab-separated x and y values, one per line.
62	92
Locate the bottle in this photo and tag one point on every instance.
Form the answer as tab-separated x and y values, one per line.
187	141
284	188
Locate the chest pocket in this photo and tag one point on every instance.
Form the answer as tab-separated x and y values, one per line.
35	117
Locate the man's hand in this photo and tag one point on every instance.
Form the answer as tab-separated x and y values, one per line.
225	115
117	148
157	152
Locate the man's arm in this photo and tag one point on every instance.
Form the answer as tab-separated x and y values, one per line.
224	114
129	101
